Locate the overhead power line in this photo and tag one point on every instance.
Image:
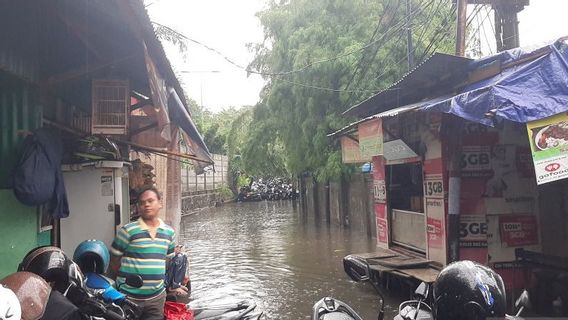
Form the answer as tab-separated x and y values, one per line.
322	88
170	31
392	34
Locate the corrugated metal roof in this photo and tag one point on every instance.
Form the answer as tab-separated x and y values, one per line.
433	77
390	113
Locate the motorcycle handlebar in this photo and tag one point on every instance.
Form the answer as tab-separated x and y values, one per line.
111	315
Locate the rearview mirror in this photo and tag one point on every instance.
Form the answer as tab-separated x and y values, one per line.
356	268
523	300
422	291
134	280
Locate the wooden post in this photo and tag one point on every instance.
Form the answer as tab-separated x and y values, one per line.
461	27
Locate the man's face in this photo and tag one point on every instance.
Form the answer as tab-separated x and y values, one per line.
149	205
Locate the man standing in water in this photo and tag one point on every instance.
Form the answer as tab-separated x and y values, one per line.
142	248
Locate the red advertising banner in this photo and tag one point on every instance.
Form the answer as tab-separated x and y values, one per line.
518	230
476	162
378	168
382	225
350	152
381	210
473	231
382	230
435	233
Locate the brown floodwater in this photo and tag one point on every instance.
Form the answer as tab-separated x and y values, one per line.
269	252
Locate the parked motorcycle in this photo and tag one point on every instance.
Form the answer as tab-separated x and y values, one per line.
358	269
69	283
93	257
102	288
94	306
224	309
267	189
416	309
329	308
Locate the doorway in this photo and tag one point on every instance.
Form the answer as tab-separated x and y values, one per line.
405	194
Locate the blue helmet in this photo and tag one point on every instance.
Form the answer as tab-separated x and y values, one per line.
92	256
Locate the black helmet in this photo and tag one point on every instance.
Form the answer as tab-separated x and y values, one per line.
50	263
468	290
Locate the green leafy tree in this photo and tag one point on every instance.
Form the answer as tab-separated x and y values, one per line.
321	57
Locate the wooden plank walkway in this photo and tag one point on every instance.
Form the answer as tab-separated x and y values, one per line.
400	265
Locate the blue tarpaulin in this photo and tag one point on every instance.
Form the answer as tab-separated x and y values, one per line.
530	85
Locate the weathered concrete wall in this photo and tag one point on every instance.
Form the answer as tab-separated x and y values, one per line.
361	211
323	195
348	204
194	201
335	209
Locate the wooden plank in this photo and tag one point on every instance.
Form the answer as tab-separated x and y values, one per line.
427	275
380	253
400	274
379	268
400	262
86	69
377	260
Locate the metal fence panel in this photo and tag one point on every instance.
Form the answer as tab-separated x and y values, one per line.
212	179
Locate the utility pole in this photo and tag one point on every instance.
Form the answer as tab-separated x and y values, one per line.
409	49
507	36
461	25
506	22
454	133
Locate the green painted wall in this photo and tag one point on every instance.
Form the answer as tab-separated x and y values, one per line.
18	231
19	113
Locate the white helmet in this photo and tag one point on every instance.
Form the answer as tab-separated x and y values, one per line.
9	305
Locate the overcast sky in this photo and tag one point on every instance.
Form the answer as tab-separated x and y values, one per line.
228	25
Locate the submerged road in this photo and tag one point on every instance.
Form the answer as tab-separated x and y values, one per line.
268	252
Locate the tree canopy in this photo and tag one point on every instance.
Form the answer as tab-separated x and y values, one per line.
322	56
319	58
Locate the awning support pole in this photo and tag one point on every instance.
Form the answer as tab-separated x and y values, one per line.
454	146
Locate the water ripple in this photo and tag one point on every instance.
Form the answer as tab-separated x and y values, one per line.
265	251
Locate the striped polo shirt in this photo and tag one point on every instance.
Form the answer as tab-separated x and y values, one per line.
143	255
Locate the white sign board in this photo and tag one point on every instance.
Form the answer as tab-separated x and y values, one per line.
397	150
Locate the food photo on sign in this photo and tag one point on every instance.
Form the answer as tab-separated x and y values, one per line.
548	139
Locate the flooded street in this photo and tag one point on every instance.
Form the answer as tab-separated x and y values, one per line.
267	252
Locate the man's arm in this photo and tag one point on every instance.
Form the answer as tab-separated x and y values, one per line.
117	249
114	266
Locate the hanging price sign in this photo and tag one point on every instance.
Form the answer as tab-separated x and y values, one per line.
433	186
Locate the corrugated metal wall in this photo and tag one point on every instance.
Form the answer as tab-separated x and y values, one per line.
19	114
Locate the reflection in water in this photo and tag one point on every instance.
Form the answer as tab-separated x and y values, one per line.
267	252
